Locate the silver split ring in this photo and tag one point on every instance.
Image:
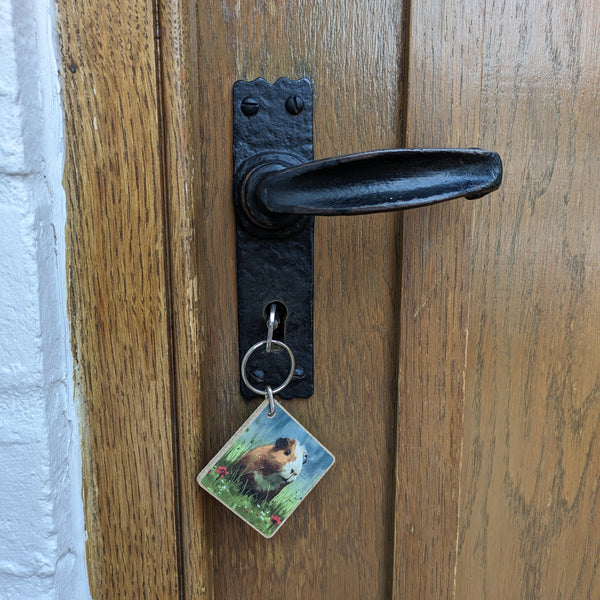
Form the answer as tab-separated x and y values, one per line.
287	379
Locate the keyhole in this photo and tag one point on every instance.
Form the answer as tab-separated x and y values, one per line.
280	318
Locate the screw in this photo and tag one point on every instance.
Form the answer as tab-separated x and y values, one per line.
258	375
250	106
294	105
299	373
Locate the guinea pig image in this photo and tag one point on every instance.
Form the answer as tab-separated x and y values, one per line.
266	470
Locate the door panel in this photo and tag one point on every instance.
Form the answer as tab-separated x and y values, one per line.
520	78
352	56
533	384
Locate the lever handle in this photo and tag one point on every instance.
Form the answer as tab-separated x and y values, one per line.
368	182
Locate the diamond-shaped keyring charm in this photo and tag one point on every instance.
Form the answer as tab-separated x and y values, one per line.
271	463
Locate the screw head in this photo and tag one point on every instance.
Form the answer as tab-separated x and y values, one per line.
250	106
258	376
294	105
299	373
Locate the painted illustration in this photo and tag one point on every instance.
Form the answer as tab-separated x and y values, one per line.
266	469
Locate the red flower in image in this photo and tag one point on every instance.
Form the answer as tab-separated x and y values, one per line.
222	471
275	520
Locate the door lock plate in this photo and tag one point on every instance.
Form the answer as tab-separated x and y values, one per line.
274	120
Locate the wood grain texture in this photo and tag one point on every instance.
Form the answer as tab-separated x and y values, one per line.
532	459
431	398
338	543
118	295
188	219
442	111
497	460
516	517
496	475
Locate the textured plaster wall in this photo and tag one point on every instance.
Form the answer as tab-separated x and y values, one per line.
42	547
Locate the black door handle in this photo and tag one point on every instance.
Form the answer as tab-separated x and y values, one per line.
278	187
366	182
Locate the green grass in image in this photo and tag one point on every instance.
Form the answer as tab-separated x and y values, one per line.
265	515
220	479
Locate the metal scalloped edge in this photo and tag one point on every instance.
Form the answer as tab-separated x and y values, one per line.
278	81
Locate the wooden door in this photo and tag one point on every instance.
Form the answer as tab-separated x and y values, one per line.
456	346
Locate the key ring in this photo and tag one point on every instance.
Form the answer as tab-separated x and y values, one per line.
269	397
287	379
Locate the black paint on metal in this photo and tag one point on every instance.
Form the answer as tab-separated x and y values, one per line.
274	266
378	181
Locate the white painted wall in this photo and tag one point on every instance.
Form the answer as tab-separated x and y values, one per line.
42	548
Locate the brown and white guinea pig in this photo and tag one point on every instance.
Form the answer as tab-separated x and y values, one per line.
266	470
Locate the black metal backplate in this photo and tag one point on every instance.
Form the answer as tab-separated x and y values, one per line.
274	267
